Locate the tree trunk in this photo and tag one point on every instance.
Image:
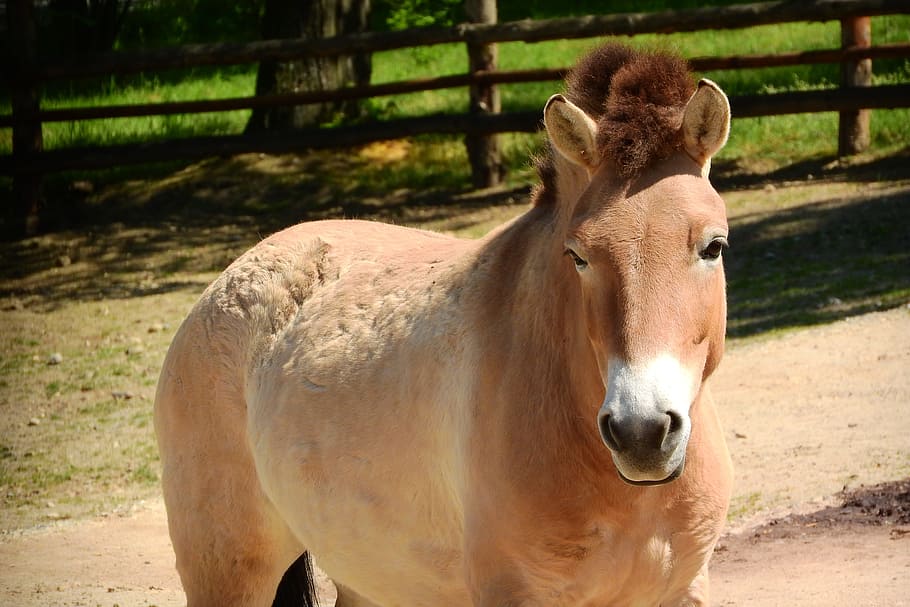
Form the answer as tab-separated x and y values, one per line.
310	19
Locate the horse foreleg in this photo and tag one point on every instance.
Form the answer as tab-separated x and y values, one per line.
696	595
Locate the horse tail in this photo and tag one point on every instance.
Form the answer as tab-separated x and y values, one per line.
298	586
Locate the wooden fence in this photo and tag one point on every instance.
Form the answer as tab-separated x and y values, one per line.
29	162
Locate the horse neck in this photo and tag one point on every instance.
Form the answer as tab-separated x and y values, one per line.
545	293
528	282
546	378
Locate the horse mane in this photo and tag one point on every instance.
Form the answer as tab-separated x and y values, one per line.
637	98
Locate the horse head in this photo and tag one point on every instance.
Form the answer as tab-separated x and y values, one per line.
645	240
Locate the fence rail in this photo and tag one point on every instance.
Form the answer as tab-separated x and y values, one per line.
700	64
737	16
28	162
189	148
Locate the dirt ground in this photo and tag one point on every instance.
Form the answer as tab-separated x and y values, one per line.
817	421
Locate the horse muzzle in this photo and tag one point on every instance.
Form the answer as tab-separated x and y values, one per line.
647	450
644	420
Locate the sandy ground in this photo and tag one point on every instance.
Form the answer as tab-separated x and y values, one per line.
807	414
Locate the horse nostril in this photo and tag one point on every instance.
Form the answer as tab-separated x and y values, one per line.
676	422
607	433
659	433
672	428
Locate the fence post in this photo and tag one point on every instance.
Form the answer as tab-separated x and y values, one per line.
853	127
483	150
27	139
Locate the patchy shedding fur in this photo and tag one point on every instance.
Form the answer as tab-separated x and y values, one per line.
637	99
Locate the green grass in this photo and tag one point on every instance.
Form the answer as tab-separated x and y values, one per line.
144	475
776	140
744	504
450	59
140	90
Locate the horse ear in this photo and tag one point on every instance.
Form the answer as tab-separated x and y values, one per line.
572	132
706	123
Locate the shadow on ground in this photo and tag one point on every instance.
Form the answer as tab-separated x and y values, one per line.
130	234
818	262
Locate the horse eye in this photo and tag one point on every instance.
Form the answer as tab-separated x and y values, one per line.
714	248
580	264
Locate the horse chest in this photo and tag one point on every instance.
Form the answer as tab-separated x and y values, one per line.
626	570
622	570
617	561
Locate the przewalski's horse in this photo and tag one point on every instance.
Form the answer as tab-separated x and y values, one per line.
519	420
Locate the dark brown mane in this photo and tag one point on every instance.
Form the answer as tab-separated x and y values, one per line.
637	99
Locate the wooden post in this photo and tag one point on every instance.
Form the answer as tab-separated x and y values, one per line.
853	128
27	140
483	150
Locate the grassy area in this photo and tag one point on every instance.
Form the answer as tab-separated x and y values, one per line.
794	264
763	143
774	141
77	435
